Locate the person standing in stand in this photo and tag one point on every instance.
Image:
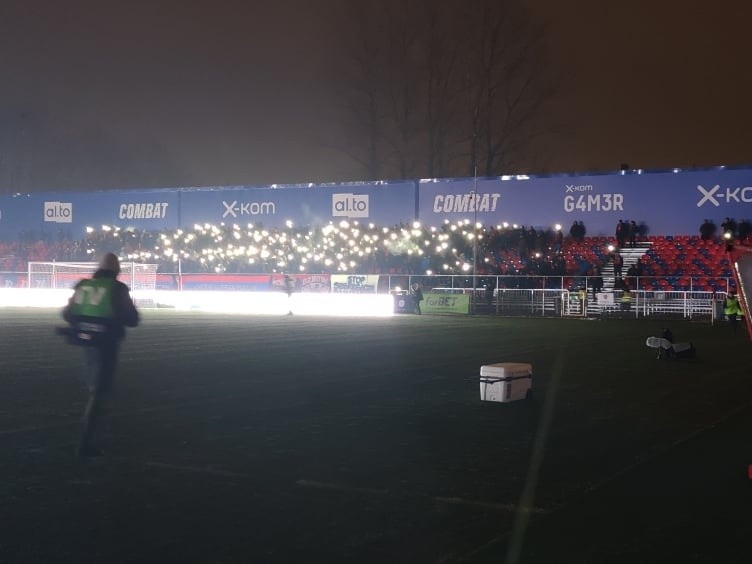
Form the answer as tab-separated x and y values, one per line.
620	233
618	264
634	232
97	313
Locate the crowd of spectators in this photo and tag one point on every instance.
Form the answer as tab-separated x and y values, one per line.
344	247
730	229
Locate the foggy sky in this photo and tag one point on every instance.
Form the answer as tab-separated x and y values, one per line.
190	92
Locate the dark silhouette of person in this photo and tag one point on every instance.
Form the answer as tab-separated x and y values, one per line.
634	232
620	233
597	281
618	264
417	294
289	289
490	287
707	230
729	226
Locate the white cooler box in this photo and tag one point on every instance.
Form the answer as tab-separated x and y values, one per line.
506	381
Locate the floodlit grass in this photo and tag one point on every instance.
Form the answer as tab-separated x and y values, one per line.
285	439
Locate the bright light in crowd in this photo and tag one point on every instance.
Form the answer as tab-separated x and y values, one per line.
557	227
90	230
106	228
610	248
288	223
465	267
416	224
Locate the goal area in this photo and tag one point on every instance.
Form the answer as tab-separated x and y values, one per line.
64	275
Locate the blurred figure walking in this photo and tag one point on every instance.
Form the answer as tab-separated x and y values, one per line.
97	313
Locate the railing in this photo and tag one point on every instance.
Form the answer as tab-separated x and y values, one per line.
543	296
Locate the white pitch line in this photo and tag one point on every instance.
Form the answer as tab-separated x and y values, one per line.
339	487
198	470
439	499
626	470
39	428
489	505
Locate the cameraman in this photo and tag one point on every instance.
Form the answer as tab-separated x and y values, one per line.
98	312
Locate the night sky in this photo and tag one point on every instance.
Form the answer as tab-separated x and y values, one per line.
180	93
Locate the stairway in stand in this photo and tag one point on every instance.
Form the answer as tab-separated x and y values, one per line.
630	255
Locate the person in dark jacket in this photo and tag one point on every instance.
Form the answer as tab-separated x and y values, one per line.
98	312
417	293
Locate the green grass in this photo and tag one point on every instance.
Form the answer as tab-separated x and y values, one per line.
287	439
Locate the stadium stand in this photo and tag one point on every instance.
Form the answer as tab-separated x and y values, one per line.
679	263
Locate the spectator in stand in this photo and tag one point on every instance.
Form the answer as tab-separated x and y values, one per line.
559	266
577	231
632	274
621	234
707	230
558	240
634	231
744	229
618	263
729	226
597	280
532	238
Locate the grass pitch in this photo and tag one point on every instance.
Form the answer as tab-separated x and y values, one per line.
291	439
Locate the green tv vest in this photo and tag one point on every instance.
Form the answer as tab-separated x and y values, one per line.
93	298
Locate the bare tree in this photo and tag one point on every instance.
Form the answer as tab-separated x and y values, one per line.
438	85
362	73
507	86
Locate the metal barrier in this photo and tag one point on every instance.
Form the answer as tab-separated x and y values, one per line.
550	296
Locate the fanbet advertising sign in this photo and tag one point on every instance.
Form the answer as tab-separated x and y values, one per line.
457	304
